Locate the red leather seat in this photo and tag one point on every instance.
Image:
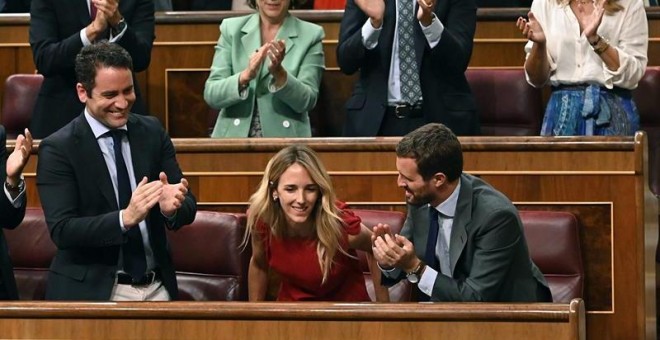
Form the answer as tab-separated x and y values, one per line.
402	290
21	92
506	104
31	250
647	98
209	260
553	240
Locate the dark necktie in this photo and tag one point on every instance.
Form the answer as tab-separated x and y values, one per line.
411	91
135	263
430	257
92	10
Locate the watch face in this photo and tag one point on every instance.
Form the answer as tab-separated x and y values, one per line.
413	278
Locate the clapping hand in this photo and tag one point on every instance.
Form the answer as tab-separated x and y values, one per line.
531	29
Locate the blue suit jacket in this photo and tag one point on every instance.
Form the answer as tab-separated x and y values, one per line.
446	93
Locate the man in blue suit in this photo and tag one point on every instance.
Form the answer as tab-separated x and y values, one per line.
441	34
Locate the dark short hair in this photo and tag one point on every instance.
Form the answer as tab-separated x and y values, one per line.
435	149
292	5
98	55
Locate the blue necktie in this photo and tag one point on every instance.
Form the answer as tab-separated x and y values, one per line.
135	262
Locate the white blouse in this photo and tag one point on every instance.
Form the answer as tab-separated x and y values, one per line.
573	61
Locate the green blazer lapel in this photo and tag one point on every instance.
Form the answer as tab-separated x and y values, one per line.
251	40
462	219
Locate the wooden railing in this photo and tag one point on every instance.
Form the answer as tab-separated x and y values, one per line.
223	320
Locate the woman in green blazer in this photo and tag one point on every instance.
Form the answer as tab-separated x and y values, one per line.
266	73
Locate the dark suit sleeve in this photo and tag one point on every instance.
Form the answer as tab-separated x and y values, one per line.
495	245
351	53
11	216
52	53
58	190
453	52
139	36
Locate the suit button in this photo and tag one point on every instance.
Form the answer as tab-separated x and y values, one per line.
286	124
237	122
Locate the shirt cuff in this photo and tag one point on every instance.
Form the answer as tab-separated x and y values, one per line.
84	39
427	281
433	32
121	221
370	35
16	202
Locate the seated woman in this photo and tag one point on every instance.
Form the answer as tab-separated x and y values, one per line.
266	73
299	230
593	52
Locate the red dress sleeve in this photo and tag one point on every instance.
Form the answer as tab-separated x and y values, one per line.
352	222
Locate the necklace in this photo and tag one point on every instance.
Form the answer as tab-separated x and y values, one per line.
582	2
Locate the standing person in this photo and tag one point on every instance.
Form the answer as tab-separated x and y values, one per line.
110	184
266	73
59	29
462	240
592	53
13	201
412	56
299	230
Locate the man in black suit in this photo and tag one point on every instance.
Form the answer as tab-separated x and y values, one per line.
59	29
110	184
12	203
442	34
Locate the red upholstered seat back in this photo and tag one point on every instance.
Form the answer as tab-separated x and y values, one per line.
209	260
554	244
401	291
506	104
647	98
20	95
31	250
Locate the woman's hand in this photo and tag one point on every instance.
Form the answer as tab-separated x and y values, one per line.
254	65
531	29
276	54
590	23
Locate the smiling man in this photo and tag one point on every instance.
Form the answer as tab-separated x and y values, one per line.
462	239
109	184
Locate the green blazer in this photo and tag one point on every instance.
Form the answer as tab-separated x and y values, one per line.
489	259
283	113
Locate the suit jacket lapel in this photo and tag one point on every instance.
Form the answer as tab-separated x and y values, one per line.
139	150
88	146
462	219
421	232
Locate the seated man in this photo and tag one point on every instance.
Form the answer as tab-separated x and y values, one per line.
462	239
109	184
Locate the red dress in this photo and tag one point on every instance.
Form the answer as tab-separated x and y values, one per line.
296	262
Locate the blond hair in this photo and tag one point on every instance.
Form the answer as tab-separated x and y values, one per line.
327	223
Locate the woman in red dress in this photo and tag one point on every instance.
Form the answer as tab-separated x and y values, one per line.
299	230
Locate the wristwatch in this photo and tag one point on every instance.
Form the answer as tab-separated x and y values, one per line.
119	27
416	274
15	190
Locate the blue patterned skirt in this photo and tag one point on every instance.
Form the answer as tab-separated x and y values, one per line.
590	110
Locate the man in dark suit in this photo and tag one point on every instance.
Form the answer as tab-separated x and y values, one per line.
15	6
462	239
12	203
110	184
441	34
59	29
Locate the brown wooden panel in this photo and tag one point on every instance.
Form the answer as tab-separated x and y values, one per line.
187	112
179	320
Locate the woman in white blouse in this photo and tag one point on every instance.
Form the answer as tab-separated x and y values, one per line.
592	52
